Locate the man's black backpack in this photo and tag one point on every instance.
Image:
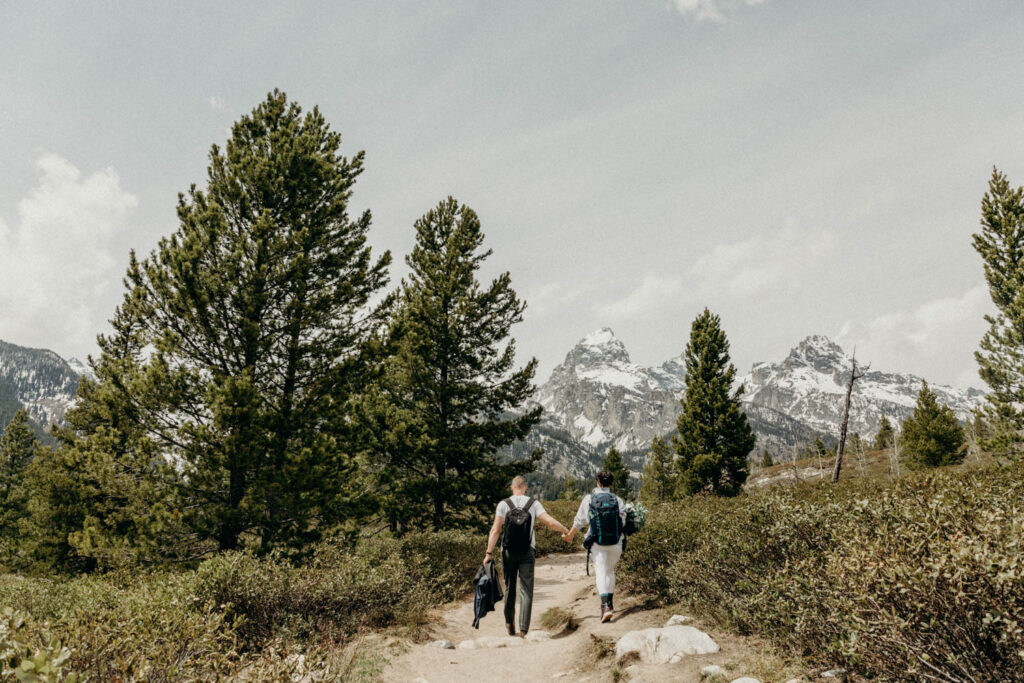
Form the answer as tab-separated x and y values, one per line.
518	528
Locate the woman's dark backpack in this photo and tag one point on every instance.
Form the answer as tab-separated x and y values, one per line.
518	528
605	522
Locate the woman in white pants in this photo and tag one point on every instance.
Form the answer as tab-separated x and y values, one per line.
605	556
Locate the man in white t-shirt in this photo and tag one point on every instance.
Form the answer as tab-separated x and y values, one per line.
518	566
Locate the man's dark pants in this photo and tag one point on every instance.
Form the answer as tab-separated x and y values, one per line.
518	567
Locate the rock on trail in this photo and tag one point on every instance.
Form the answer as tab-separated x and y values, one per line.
668	644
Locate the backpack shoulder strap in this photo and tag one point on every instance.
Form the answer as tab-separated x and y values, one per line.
508	502
529	504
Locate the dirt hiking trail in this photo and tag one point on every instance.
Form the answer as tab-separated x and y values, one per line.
570	655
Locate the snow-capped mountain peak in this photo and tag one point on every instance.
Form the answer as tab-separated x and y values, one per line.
820	353
810	384
600	397
600	346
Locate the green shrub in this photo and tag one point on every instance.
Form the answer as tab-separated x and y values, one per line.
342	590
918	579
149	627
18	660
239	613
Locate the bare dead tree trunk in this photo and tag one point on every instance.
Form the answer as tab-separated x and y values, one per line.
792	464
973	440
894	454
854	376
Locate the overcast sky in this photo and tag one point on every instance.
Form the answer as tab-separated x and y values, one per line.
798	167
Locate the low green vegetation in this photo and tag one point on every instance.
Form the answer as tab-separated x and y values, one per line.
238	612
918	578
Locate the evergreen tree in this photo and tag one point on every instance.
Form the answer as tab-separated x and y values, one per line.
766	459
714	438
856	443
18	446
255	313
613	463
932	436
884	437
1000	242
440	411
571	490
660	475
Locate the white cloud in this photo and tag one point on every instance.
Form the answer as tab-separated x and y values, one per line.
709	10
55	257
765	262
218	104
552	297
920	340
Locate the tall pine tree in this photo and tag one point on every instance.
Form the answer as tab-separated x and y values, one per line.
659	476
620	473
932	436
714	438
441	410
18	447
1000	242
255	313
884	437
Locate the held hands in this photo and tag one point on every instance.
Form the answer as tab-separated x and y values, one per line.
567	536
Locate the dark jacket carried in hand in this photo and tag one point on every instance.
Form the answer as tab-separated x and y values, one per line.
488	592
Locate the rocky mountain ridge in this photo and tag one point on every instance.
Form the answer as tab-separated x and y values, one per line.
38	380
598	398
809	385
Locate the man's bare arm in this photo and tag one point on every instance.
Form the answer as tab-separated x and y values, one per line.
553	523
492	538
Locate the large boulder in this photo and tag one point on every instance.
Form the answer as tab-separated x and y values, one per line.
663	645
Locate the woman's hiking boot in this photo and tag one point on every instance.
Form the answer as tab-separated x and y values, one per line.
606	608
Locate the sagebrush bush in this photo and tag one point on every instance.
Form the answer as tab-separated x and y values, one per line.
341	590
917	579
146	628
239	614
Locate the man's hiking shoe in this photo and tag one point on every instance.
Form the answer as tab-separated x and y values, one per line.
511	629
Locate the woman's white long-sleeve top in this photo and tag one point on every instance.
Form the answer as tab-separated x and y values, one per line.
582	520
